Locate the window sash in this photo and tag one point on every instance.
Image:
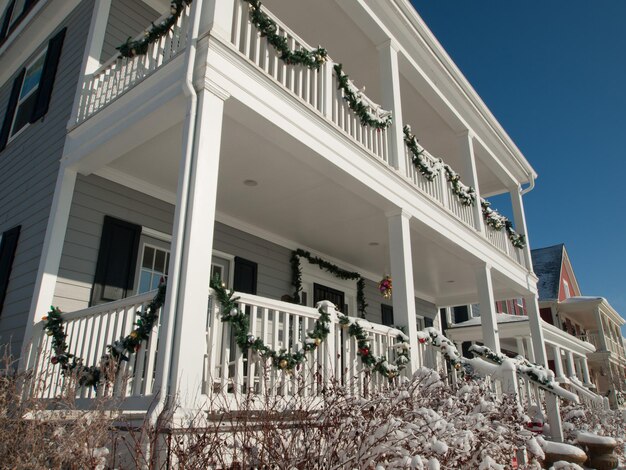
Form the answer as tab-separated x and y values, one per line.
27	100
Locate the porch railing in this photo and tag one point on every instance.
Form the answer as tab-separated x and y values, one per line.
228	373
283	325
316	88
119	74
586	396
89	331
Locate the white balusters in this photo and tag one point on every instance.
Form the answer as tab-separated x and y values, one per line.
119	74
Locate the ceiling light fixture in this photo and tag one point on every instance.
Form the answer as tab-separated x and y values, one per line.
251	183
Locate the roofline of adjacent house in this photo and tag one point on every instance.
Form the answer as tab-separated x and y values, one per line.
424	31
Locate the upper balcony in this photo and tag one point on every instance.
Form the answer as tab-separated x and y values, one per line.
327	94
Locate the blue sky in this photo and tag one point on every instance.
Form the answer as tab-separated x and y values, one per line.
554	75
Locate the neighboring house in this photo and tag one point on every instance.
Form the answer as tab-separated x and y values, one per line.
591	319
210	155
582	334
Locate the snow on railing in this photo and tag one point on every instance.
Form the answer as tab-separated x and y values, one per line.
119	74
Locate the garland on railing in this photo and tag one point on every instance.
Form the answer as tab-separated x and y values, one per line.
447	347
267	28
427	169
134	47
377	118
533	372
466	194
238	320
371	361
119	350
296	280
497	221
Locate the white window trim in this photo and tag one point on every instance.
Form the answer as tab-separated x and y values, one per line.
21	100
140	261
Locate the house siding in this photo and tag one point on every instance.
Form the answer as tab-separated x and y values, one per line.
95	197
29	166
127	18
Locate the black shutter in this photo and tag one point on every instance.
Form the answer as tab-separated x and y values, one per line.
387	314
46	83
245	276
8	116
5	21
117	260
7	254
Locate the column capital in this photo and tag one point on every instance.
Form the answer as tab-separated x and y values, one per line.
209	85
399	211
389	43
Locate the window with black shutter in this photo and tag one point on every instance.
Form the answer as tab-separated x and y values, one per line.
117	261
13	15
245	276
32	90
8	245
387	314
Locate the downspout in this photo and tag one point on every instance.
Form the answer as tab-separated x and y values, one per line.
530	187
189	90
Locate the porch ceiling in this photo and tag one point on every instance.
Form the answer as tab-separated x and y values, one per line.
302	200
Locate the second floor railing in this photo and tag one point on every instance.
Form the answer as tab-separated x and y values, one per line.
119	74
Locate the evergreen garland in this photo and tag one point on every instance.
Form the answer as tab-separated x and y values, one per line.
371	361
119	350
134	47
296	273
267	28
238	320
376	118
447	347
421	164
497	221
465	194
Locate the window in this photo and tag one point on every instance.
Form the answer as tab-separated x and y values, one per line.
28	95
155	264
14	13
32	90
386	314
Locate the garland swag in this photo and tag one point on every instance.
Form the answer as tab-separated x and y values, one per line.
377	363
376	118
465	194
296	273
238	320
134	47
267	28
119	350
497	221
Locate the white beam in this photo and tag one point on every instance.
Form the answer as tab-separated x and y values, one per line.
488	319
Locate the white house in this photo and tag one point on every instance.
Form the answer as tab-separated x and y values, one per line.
218	152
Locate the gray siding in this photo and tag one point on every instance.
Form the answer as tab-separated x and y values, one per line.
29	167
127	18
95	197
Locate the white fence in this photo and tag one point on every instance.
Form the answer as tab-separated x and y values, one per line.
119	74
89	331
229	373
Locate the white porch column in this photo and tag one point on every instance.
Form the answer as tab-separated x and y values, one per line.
601	332
402	274
48	270
571	367
519	341
217	17
519	219
391	101
540	357
585	367
529	348
181	365
558	363
470	175
93	49
488	320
